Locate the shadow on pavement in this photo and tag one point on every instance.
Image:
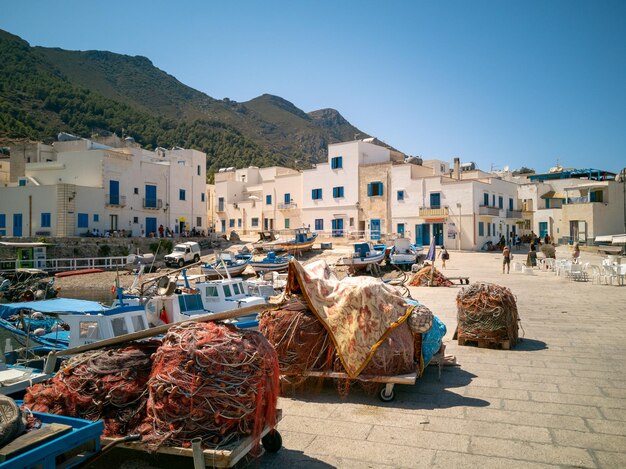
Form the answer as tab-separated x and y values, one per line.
286	458
529	345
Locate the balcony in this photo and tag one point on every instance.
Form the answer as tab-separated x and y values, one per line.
115	200
487	210
578	200
152	204
433	211
289	206
220	208
514	214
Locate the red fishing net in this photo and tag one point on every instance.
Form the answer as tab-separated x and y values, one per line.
423	278
211	381
108	384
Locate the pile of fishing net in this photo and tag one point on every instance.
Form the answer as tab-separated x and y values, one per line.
210	381
300	340
422	278
486	311
108	384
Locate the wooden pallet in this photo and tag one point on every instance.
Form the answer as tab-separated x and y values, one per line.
485	343
461	280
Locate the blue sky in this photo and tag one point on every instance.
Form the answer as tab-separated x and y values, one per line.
495	82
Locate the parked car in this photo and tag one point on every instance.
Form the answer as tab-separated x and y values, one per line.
182	254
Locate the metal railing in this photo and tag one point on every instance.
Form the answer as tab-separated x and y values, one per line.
514	214
57	265
154	204
488	210
289	206
113	200
433	212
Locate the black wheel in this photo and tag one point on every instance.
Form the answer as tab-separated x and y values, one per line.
272	442
383	396
196	258
181	263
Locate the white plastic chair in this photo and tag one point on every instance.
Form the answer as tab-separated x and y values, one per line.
576	272
518	267
596	274
549	263
610	274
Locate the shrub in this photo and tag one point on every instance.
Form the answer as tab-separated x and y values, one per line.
104	250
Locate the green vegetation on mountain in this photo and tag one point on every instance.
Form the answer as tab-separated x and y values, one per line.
45	91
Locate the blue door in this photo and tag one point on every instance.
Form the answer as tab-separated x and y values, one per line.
422	234
151	197
543	229
17	225
435	200
114	192
438	233
337	225
151	226
287	198
375	229
401	230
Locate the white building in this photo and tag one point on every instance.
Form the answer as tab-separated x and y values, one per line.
88	185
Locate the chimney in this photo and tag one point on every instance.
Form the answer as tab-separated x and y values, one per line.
457	168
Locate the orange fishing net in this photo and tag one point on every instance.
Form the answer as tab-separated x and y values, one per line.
422	278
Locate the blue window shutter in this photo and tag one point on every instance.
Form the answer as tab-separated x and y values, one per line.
382	188
369	189
313	194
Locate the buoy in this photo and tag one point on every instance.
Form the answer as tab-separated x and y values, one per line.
113	290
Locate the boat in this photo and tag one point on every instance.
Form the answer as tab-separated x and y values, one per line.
271	263
226	265
403	253
365	254
302	241
267	241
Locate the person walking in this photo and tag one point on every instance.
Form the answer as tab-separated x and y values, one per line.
506	259
444	256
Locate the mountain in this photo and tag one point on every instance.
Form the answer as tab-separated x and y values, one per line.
44	91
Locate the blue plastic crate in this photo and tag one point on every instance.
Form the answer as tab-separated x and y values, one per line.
58	452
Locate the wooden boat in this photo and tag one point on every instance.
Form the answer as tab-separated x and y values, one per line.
364	254
226	265
302	241
271	263
268	241
403	253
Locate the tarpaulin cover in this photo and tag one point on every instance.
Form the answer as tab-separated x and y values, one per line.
357	312
56	305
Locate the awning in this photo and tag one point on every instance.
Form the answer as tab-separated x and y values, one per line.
55	305
553	195
619	239
24	245
595	185
603	239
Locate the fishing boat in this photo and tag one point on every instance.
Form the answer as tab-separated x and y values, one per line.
403	253
302	241
267	241
271	263
226	265
365	254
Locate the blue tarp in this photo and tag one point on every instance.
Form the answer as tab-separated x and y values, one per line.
56	305
431	340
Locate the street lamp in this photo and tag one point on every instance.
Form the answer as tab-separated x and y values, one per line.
458	205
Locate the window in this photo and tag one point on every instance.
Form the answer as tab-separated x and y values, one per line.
316	194
96	217
510	203
3	224
336	162
22	182
236	289
268	199
138	323
287	198
338	192
238	222
202	197
119	326
435	200
351	221
151	196
500	202
400	195
547	203
595	196
198	170
486	199
211	291
488	229
114	192
493	226
135	219
400	229
182	195
45	220
231	223
286	223
89	330
220	204
481	228
136	191
254	222
198	221
493	200
375	189
227	291
83	220
319	224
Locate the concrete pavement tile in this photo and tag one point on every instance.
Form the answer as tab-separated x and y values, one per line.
540	371
578	399
325	426
518	394
470	427
610	460
551	408
592	374
601	441
527	418
294	440
377	416
613	414
614	427
371	452
528	385
564	380
614	392
307	409
582	389
528	451
419	438
448	459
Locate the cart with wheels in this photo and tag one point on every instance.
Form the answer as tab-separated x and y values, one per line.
227	456
386	394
